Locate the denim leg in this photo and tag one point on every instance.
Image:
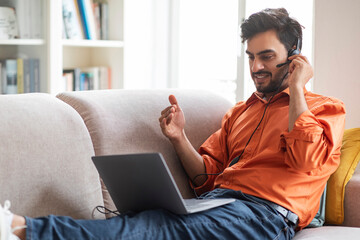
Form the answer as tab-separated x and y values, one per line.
242	219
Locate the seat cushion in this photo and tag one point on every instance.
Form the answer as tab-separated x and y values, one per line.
328	233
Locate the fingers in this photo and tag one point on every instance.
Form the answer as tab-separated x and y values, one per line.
166	110
300	70
165	121
298	57
166	113
172	100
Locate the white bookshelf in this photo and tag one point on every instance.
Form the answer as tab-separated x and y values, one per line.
22	42
56	53
93	43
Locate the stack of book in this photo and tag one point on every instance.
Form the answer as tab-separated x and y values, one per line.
85	19
20	75
90	78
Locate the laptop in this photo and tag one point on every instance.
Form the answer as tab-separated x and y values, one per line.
138	182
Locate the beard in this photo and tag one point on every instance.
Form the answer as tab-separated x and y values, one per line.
274	83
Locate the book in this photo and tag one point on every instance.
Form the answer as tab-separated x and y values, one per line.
20	75
93	77
36	65
35	19
87	19
71	18
26	74
11	76
96	9
76	78
104	16
22	9
68	81
105	78
87	78
3	77
8	23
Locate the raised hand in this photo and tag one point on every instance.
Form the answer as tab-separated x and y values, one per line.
300	71
172	120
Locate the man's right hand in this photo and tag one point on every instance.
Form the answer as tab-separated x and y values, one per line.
172	120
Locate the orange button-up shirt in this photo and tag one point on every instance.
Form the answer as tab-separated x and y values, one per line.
287	168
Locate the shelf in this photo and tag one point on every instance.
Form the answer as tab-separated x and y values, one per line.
22	42
92	43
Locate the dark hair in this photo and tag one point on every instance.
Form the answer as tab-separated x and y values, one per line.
288	29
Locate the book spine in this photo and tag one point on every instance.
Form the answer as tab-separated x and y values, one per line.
104	21
96	8
77	73
32	76
109	79
103	75
22	18
26	64
35	19
36	64
3	77
78	19
20	75
84	18
11	76
68	81
71	20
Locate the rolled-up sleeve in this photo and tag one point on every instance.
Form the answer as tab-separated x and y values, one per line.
316	137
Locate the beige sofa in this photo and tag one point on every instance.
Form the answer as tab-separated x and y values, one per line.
47	143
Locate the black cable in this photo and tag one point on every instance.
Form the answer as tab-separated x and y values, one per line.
105	210
236	159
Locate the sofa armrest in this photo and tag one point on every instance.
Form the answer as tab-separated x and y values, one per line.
45	161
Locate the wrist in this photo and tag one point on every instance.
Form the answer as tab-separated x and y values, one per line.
177	139
296	88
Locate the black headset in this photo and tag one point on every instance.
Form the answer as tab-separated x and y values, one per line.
291	52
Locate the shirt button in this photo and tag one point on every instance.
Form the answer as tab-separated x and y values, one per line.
249	149
227	183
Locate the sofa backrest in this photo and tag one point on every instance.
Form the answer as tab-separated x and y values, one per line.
45	158
126	121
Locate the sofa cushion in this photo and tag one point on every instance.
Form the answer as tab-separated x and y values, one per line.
350	156
328	233
45	152
126	121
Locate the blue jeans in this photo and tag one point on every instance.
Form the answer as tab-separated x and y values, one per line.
246	218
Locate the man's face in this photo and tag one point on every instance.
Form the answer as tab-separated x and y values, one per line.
265	51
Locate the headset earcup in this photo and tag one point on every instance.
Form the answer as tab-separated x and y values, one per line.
293	52
296	51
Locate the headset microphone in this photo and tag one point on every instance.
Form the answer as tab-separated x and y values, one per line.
283	64
291	52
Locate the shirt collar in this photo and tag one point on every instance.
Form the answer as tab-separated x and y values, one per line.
258	96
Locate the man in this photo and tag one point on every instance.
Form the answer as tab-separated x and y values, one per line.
274	153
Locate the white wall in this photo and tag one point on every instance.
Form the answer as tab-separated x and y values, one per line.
337	54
